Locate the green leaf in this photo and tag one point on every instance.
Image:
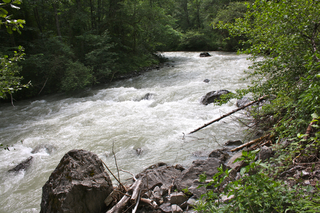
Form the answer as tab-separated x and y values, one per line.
3	13
315	115
6	1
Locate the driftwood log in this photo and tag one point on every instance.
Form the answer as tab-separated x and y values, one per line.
230	113
250	143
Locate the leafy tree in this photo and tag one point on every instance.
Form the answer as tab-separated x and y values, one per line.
286	34
9	69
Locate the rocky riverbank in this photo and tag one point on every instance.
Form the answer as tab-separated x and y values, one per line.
80	183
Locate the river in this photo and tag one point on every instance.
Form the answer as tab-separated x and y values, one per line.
117	118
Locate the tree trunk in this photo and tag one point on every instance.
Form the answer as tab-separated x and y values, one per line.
57	19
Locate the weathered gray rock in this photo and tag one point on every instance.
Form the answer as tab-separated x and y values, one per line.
166	207
160	175
265	153
24	165
157	194
147	96
211	97
220	154
198	167
205	54
178	198
192	201
235	165
176	209
78	184
243	101
233	143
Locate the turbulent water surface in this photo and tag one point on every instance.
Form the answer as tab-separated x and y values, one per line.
116	117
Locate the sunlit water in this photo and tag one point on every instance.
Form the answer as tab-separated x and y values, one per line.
115	116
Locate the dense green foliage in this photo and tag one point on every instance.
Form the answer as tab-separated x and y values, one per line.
254	192
10	81
285	35
73	44
283	39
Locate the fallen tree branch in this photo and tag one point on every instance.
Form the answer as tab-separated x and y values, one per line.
250	143
150	202
136	189
137	204
120	205
230	113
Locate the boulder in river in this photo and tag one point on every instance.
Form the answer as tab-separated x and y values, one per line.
24	165
212	96
78	184
205	54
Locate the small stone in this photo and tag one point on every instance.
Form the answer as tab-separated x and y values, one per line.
233	143
206	80
192	202
166	207
233	164
184	205
157	194
265	153
178	198
305	174
176	209
226	199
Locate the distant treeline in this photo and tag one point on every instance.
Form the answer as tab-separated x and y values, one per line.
73	44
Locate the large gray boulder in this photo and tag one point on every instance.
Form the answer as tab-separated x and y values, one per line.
213	96
78	184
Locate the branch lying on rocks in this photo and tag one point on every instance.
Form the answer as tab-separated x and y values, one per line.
230	113
135	189
250	143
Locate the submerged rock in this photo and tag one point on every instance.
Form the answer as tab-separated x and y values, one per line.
78	184
24	165
211	97
46	147
205	54
206	80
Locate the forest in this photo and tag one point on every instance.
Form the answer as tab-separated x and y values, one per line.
66	45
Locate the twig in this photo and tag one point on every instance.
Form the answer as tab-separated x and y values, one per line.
134	178
114	176
230	113
43	86
137	204
115	160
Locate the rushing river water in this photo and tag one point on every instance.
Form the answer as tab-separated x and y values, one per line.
117	116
